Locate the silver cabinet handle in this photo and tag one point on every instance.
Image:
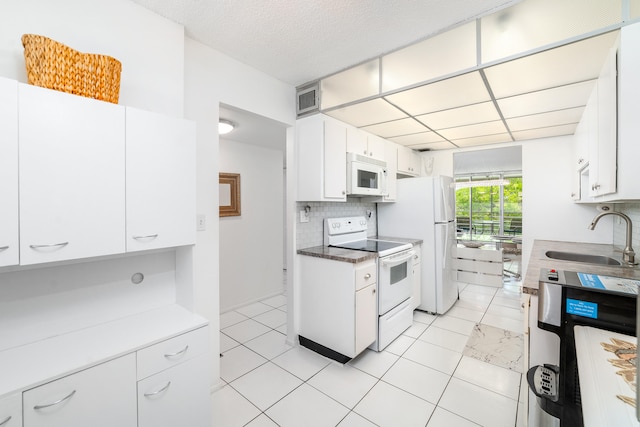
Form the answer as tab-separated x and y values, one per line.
3	248
52	245
57	402
149	236
153	393
367	276
6	420
176	354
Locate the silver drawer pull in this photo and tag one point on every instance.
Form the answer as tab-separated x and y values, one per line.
3	248
153	393
178	353
367	276
52	245
57	402
149	236
6	420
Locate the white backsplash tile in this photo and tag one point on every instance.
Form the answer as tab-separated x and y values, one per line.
310	233
632	210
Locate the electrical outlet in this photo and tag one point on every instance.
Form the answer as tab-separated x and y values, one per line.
304	217
201	223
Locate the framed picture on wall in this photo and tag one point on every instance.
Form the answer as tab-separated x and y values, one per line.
229	191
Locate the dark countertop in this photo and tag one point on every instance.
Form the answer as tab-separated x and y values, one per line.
538	261
350	255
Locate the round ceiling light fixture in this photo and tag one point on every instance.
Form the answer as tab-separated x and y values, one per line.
225	126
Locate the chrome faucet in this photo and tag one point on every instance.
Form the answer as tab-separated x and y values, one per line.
628	255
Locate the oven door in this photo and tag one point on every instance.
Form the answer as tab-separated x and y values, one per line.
394	280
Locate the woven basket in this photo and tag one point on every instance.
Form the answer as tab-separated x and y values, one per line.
52	65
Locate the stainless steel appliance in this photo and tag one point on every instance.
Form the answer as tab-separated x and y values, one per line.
425	209
366	176
567	299
394	274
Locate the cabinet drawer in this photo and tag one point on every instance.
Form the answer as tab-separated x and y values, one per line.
365	275
178	396
101	396
168	353
11	411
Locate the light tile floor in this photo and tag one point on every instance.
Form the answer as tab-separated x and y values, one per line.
421	379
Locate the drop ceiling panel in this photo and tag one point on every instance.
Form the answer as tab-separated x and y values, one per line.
430	58
396	127
564	65
444	145
467	115
356	83
558	98
368	113
442	95
481	129
532	24
418	138
482	140
553	118
545	132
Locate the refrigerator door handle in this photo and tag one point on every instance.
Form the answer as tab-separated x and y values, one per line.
445	247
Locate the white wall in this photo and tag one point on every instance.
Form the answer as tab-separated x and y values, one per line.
252	244
548	213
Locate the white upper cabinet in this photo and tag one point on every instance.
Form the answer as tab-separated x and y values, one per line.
9	251
365	144
391	157
71	172
408	161
161	181
321	143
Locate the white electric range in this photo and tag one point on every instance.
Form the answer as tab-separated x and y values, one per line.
395	313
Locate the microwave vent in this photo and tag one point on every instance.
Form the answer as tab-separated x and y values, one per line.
308	100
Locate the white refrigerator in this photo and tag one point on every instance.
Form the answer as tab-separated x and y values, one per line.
425	209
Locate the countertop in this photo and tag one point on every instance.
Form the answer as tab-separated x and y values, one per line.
538	261
350	255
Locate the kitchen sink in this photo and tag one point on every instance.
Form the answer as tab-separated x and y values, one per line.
586	258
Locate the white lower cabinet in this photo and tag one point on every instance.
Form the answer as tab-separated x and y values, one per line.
9	251
416	294
11	411
175	397
101	396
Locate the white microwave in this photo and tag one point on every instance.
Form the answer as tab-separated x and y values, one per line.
366	176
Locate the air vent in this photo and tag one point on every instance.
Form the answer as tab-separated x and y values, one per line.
308	100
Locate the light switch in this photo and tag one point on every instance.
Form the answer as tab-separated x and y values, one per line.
201	223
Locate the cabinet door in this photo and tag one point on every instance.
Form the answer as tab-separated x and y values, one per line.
335	160
102	396
161	181
11	411
9	252
178	396
407	163
607	127
71	160
416	294
357	141
376	147
391	157
366	317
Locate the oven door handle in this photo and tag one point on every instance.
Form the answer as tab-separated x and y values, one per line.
392	261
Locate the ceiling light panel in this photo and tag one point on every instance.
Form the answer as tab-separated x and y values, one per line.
482	140
553	118
634	7
480	129
558	98
545	132
444	145
359	82
396	127
367	113
535	23
430	58
564	65
418	138
467	115
442	95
